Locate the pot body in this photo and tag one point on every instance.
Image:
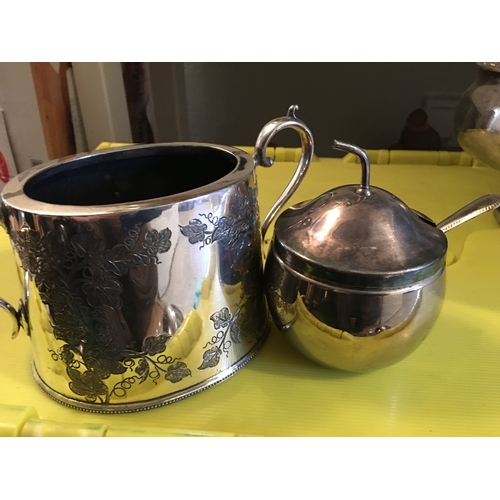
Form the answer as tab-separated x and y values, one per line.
142	271
351	329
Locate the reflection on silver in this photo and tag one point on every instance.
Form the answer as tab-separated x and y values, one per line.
18	316
347	329
120	305
143	270
355	278
172	319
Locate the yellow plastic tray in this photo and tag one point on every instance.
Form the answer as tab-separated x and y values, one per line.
450	386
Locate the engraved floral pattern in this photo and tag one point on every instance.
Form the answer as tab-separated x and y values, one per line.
222	321
229	332
100	288
221	318
155	345
228	325
78	276
176	372
157	242
195	231
81	272
211	357
243	325
228	230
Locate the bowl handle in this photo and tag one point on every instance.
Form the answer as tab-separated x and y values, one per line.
19	316
266	134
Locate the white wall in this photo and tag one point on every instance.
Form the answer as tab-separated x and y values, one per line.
103	105
228	103
361	103
18	100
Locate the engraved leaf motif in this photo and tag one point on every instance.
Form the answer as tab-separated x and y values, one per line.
142	370
155	345
103	331
239	205
27	244
175	373
119	260
243	227
211	358
78	275
86	243
66	354
86	384
221	318
56	241
234	332
104	367
224	232
195	231
73	336
100	289
157	242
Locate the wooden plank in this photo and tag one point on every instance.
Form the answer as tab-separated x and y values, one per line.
53	104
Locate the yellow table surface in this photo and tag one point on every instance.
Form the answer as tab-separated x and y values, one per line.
450	386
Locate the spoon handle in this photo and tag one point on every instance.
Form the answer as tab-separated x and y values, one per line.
477	207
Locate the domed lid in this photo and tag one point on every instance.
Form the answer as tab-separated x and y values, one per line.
359	236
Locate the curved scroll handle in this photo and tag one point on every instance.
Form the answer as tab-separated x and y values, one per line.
260	158
19	316
473	209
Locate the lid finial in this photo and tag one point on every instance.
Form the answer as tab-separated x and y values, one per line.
365	164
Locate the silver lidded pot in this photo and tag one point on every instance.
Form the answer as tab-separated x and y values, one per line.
355	278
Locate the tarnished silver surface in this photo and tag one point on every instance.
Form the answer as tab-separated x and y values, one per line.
143	270
350	329
355	278
358	236
16	314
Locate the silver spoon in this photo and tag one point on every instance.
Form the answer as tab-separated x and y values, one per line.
473	209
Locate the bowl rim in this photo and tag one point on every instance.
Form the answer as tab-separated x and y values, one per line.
13	194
